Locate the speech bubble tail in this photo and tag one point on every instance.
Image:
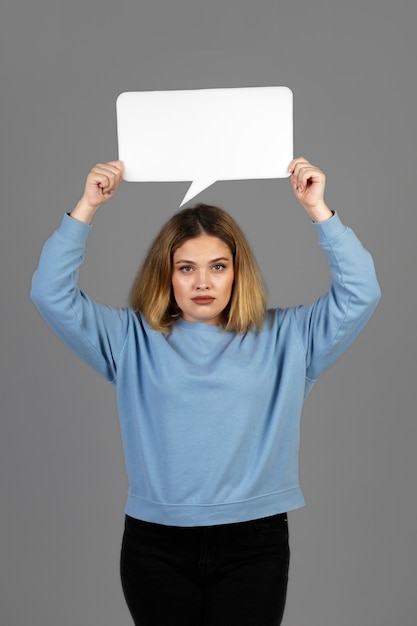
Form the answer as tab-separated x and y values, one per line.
196	187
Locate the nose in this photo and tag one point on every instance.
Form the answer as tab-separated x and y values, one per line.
201	281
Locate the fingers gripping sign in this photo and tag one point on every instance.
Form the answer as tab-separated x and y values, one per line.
102	182
308	183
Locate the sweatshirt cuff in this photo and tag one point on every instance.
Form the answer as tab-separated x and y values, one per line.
330	229
71	228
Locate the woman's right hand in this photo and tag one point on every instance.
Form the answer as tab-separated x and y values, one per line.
101	185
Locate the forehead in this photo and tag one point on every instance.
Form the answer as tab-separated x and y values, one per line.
205	246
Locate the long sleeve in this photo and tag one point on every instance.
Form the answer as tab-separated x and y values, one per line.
209	418
330	325
95	332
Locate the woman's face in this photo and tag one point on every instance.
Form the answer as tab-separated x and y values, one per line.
202	278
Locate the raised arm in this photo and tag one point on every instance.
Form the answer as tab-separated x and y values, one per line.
94	331
329	325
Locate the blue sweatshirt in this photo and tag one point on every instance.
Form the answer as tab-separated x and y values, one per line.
210	419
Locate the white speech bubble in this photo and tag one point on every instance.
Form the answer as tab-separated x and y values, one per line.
205	135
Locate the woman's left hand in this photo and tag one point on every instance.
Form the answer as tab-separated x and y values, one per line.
308	183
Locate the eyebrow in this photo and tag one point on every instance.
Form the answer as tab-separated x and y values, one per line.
220	258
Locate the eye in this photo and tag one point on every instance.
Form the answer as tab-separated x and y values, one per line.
219	267
186	269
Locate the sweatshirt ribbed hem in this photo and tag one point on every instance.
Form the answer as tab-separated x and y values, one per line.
214	514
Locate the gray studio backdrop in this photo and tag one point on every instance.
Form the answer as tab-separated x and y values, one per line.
352	69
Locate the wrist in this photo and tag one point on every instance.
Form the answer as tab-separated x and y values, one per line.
320	213
83	211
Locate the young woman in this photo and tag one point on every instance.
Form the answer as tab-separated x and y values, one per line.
210	388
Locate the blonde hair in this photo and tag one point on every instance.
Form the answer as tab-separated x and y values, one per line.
152	293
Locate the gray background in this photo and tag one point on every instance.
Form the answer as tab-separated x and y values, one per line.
352	68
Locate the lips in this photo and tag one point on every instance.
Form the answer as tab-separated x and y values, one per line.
203	300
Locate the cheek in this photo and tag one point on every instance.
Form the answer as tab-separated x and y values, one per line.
178	286
228	289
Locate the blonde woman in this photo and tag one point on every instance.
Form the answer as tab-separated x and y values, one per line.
210	387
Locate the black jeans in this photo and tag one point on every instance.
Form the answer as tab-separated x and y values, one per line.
227	575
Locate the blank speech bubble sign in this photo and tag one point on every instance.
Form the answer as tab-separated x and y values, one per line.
205	135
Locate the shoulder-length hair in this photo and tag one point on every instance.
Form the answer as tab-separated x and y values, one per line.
152	293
